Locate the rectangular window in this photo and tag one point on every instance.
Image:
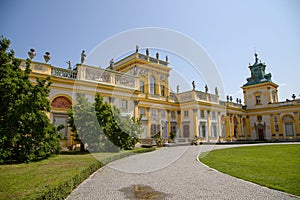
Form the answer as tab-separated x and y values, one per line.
276	127
153	112
162	90
259	118
173	115
142	112
142	87
163	114
214	130
202	114
257	98
124	104
186	113
203	129
213	115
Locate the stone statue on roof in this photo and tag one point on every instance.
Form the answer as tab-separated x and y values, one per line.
206	88
193	84
83	55
216	91
136	48
69	64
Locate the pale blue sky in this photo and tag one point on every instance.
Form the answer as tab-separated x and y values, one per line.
228	30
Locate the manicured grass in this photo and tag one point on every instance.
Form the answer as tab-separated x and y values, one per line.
273	166
55	177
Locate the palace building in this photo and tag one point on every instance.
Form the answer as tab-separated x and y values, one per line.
138	85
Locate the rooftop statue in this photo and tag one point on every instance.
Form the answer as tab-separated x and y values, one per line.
83	55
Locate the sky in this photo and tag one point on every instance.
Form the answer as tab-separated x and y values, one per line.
228	31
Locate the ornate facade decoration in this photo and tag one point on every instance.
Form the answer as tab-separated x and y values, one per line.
61	102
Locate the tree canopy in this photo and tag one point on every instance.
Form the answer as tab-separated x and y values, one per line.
101	127
25	129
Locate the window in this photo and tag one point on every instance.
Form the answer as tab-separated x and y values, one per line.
155	129
142	112
289	129
173	115
203	129
152	85
213	115
124	104
276	127
163	113
162	90
259	118
214	130
186	131
186	113
257	98
142	87
275	119
202	114
153	112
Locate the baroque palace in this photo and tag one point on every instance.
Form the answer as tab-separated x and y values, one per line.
138	84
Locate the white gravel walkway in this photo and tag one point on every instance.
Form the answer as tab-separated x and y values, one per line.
173	171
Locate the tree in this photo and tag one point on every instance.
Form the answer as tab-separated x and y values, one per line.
25	130
101	127
121	131
84	124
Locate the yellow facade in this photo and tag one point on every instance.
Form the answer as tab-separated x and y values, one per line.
139	85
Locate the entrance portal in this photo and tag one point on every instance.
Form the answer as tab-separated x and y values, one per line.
260	133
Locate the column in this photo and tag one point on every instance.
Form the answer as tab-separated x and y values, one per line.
219	125
179	123
227	127
272	124
159	122
248	128
231	127
296	122
208	125
280	126
169	122
239	130
136	109
195	117
148	122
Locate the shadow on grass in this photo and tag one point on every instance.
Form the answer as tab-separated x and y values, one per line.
74	153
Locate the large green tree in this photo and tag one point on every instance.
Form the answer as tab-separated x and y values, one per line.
121	131
101	127
25	130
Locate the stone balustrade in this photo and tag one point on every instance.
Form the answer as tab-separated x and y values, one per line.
106	76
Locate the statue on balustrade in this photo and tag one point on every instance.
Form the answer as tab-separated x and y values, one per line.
83	55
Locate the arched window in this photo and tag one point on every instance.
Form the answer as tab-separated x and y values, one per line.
61	102
152	85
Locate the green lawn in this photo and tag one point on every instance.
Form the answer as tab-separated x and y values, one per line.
274	166
54	177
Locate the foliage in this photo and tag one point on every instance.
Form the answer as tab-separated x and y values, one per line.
101	126
172	135
274	166
53	178
84	124
159	140
25	130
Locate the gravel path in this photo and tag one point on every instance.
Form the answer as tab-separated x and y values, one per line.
169	173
